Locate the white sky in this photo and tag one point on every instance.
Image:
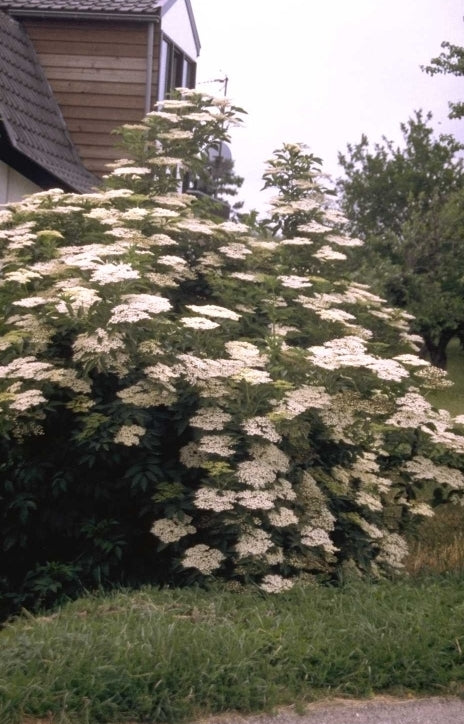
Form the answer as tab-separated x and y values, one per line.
322	72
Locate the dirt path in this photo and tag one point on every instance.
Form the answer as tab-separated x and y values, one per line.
380	710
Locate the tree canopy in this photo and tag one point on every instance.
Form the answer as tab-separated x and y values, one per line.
450	61
404	202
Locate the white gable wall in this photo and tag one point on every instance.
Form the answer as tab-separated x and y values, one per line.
175	23
13	186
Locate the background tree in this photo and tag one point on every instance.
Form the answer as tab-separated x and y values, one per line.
404	203
217	184
450	61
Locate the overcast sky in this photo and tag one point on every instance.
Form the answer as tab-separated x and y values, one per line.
322	72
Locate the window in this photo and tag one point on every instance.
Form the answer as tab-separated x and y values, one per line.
176	69
188	75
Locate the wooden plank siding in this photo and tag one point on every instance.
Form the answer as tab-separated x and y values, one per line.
97	71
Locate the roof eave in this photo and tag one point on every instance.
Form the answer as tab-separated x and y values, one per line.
73	14
194	26
32	169
166	5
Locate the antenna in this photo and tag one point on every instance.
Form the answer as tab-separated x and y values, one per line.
224	82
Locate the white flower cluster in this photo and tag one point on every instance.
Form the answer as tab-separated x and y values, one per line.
256	499
171	530
29	302
412	360
176	262
147	394
281	330
246	352
282	517
422	468
314	227
267	460
137	213
132	171
196	369
210	418
434	378
326	253
283	489
202	557
273	583
211	310
261	427
214	499
350	352
336	315
339	417
25	400
162	373
252	376
98	342
111	273
315	537
255	473
22	275
76	298
303	398
200	323
129	435
244	276
367	500
295	282
296	241
253	542
27	368
136	307
393	550
340	240
221	445
191	457
414	411
195	226
235	251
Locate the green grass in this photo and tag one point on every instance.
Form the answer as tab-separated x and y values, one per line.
171	655
452	398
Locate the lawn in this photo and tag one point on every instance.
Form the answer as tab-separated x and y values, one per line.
171	655
452	398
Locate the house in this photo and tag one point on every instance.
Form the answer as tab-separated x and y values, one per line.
73	70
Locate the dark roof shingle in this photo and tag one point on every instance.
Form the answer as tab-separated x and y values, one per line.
123	7
30	113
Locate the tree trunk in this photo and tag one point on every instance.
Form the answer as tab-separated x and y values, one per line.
436	351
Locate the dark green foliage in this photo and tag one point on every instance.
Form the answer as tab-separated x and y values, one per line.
76	511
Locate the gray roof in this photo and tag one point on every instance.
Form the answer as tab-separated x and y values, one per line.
123	7
143	10
30	113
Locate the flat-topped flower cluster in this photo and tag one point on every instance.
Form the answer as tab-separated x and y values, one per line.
298	438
